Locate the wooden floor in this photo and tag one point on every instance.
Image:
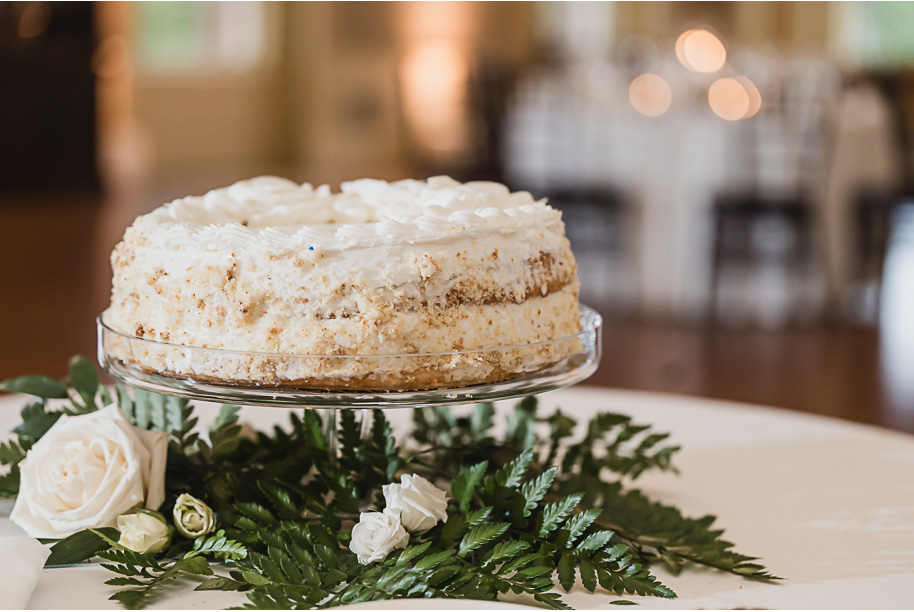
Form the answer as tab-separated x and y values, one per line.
53	262
832	371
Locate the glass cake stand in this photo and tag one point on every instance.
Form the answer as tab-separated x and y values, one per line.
122	356
571	368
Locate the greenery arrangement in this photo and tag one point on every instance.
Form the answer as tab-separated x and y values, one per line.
530	511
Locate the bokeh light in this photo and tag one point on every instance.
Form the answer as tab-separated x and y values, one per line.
34	20
700	50
728	99
434	80
755	98
650	94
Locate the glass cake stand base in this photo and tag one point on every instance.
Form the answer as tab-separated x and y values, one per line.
566	371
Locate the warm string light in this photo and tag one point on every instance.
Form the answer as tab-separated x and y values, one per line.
434	78
728	99
755	98
34	20
734	98
434	74
701	51
650	94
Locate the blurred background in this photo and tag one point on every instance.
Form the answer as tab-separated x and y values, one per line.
737	178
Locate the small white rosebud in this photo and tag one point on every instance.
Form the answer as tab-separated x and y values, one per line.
144	531
376	535
193	518
418	503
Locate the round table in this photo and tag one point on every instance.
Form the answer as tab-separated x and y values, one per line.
827	504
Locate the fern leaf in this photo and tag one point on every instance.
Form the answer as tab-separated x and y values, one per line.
256	512
480	536
504	551
432	561
281	501
566	571
222	584
218	546
464	486
84	379
595	541
228	415
478	516
577	524
519	563
482	419
513	473
9	483
411	552
13	451
553	600
39	386
36	421
556	512
534	490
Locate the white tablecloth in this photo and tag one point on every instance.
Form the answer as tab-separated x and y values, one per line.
670	167
827	504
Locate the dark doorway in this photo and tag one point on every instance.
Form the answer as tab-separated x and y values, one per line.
47	96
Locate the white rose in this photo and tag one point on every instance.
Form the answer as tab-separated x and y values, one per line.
418	503
193	518
376	535
86	471
144	531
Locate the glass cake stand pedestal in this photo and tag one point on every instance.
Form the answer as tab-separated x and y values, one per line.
186	371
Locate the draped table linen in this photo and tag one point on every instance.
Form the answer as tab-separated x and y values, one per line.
827	504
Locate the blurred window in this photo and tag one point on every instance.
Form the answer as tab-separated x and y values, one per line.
878	34
190	37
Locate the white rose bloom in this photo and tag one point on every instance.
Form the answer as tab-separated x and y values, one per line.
418	503
86	471
376	535
144	531
193	518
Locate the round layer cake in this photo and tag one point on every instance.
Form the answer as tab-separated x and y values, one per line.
382	286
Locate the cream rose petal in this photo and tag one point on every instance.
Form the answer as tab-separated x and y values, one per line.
144	532
417	502
121	487
376	535
192	517
85	471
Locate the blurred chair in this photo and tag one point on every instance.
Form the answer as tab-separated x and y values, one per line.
873	211
752	231
597	225
769	217
548	148
491	83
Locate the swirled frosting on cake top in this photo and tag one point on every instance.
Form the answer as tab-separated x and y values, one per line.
275	213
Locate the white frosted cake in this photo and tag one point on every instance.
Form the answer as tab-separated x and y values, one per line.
449	274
